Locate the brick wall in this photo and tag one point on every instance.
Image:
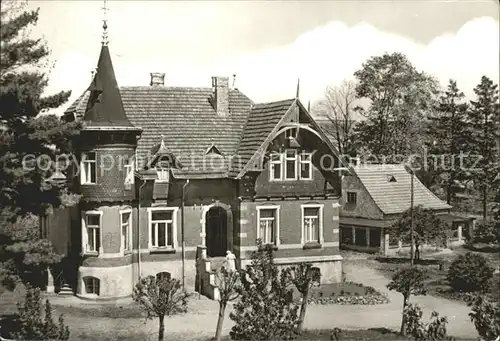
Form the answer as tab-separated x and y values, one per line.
110	176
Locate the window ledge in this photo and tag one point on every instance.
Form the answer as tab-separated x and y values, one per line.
273	246
161	250
89	184
312	245
90	254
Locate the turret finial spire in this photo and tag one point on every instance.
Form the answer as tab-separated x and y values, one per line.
105	25
298	88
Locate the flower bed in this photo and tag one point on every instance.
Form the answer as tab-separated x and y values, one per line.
347	293
351	300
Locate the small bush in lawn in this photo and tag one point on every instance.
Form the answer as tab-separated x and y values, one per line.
435	330
38	325
486	317
470	273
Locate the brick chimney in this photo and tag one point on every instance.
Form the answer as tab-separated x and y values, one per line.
157	79
220	95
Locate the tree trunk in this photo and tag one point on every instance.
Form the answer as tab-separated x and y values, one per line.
448	194
403	320
417	251
220	321
485	203
161	331
303	308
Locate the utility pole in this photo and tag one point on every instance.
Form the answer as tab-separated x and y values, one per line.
182	234
412	237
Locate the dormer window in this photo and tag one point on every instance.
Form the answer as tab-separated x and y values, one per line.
88	168
391	178
163	174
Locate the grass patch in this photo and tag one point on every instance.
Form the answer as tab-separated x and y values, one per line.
128	311
437	284
348	335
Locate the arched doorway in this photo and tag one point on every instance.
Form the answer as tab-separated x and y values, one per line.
216	232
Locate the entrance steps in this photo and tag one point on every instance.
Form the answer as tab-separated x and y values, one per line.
206	277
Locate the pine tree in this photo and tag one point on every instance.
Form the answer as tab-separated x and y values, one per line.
266	309
484	118
26	137
449	136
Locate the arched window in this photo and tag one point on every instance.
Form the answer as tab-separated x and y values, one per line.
163	275
316	275
92	285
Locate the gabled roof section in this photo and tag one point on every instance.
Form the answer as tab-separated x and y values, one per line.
394	197
262	120
104	107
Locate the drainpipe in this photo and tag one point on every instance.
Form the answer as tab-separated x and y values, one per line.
139	230
182	233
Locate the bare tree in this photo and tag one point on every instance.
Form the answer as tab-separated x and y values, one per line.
339	106
227	282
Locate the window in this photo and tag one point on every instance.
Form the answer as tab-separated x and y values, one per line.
291	133
126	229
129	171
305	166
163	228
316	275
288	166
88	168
312	229
291	165
160	276
267	230
276	169
92	285
92	235
351	197
163	174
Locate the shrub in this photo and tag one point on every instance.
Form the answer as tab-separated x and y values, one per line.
487	232
470	273
159	298
435	330
486	317
35	325
266	309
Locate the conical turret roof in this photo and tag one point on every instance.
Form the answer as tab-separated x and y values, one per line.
104	106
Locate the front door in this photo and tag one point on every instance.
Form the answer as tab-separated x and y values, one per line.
216	232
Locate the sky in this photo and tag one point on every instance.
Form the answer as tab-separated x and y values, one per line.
268	44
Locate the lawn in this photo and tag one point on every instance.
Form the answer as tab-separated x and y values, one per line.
437	285
348	335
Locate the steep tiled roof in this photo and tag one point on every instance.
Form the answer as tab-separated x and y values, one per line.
394	197
188	122
104	106
262	120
